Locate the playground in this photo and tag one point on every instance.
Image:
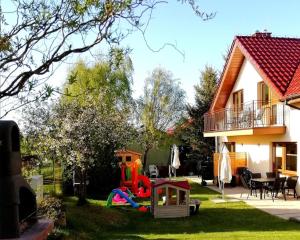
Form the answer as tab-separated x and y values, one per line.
214	221
141	209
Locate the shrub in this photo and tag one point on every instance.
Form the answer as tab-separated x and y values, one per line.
52	208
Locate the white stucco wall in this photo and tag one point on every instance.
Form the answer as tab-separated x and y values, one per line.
259	148
246	80
293	135
258	151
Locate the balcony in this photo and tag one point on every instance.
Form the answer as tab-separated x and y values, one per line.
253	118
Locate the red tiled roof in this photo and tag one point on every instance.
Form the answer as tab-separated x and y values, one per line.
277	59
294	87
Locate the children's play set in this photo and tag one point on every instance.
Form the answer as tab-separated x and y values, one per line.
169	198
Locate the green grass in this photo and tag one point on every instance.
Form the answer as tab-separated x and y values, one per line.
214	221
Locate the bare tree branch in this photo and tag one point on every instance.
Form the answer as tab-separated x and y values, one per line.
36	34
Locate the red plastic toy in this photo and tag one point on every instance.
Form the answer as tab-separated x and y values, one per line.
139	185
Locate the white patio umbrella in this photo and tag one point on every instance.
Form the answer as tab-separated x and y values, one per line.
225	174
175	162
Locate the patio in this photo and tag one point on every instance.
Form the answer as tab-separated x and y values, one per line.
289	210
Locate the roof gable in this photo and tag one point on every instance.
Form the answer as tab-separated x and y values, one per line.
276	60
229	75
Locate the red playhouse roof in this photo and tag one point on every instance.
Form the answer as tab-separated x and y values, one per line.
278	58
181	184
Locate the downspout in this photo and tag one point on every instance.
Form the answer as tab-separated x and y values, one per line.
216	145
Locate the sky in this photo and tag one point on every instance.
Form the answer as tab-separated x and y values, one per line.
203	42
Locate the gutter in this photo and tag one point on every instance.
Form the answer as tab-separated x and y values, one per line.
292	99
292	106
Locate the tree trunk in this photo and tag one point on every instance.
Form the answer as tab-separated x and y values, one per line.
82	189
145	158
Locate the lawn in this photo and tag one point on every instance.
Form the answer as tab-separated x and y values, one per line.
214	221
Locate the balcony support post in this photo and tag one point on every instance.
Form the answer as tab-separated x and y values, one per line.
253	114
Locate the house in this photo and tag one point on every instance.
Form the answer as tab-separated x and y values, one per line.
255	110
170	199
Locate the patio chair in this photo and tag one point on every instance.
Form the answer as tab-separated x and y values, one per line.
270	174
244	119
255	175
259	118
255	185
247	175
153	171
275	188
245	185
248	185
230	121
291	183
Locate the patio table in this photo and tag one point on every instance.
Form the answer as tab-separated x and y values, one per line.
262	182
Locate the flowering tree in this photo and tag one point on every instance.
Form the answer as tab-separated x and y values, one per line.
87	137
88	123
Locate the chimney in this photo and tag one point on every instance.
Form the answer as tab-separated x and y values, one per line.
264	34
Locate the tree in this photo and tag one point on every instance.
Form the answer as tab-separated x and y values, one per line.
82	137
161	106
88	123
110	77
38	140
87	137
37	35
192	132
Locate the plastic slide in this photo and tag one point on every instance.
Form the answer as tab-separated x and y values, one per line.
128	199
118	199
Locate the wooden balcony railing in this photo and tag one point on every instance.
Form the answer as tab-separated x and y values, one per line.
237	159
251	115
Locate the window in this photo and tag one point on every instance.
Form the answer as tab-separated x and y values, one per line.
291	157
172	196
161	194
277	156
263	94
128	158
182	197
285	157
238	100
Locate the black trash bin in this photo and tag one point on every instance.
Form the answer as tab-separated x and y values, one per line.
207	171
